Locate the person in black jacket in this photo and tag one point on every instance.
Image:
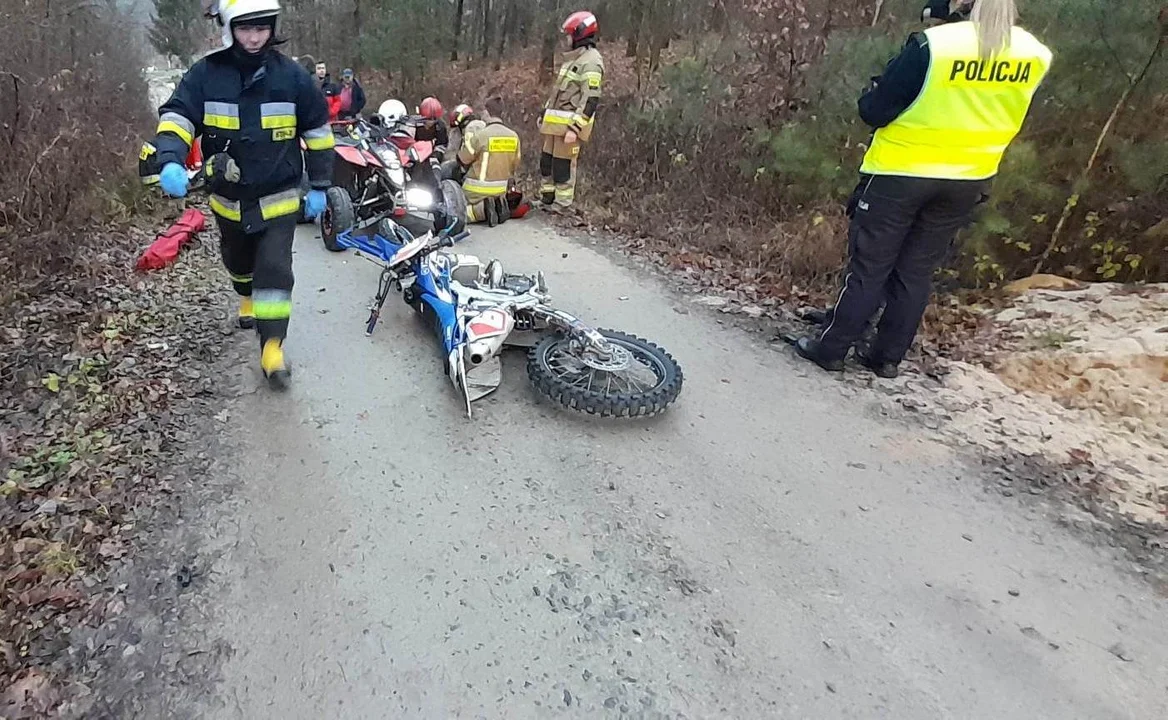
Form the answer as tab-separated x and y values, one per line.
430	126
352	95
944	112
253	107
888	97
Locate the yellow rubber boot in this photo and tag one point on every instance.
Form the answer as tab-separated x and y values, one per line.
274	367
246	313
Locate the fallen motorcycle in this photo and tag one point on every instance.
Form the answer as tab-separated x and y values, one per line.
478	310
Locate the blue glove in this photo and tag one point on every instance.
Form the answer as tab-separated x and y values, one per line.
314	204
174	180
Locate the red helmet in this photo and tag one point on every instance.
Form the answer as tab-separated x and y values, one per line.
431	109
461	114
580	26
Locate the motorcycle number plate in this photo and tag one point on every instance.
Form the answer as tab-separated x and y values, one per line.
487	323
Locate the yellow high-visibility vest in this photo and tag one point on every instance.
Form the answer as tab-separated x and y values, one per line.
968	111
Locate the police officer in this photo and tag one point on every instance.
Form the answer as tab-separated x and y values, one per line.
252	106
935	12
945	110
487	162
569	112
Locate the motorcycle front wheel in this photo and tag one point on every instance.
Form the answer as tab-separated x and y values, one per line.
639	378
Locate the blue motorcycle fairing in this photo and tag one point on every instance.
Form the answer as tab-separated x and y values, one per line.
445	310
432	290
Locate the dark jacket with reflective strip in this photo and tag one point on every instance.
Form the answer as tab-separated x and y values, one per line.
259	121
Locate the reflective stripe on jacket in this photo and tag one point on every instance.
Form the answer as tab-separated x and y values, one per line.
968	110
579	80
492	152
261	122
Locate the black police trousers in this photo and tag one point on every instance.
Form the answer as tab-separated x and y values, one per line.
260	265
899	235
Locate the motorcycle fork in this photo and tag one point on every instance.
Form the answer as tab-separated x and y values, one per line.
385	284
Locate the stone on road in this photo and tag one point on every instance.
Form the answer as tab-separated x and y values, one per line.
769	548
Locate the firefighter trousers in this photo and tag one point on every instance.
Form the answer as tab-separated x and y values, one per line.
557	171
491	209
260	265
899	235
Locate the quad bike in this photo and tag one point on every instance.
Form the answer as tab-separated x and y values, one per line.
341	131
478	310
384	163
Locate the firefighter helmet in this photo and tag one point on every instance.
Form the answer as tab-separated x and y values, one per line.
580	26
431	109
226	12
461	115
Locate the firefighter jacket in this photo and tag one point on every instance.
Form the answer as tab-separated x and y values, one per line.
575	95
492	154
260	121
458	135
968	109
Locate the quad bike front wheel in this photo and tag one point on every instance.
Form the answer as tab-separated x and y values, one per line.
338	216
637	379
454	201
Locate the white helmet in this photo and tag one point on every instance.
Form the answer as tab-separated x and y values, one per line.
227	11
392	111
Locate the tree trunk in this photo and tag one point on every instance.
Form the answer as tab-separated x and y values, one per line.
636	20
357	60
507	17
487	27
524	19
458	10
550	28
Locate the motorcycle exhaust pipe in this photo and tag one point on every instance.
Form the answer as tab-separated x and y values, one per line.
479	351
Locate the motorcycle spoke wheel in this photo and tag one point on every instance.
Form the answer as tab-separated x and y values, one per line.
636	379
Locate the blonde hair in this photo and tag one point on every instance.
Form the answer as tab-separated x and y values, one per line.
994	20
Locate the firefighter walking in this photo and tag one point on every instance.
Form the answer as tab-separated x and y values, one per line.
570	112
253	107
487	162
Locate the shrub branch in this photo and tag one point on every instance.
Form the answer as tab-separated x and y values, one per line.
1073	198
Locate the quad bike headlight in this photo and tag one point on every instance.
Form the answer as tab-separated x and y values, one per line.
419	198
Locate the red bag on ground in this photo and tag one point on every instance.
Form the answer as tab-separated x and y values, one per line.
165	248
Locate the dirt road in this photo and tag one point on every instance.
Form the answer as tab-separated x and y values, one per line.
771	547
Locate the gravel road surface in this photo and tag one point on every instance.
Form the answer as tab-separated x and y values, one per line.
770	548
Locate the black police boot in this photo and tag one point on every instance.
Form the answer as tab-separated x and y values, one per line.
808	348
816	316
886	370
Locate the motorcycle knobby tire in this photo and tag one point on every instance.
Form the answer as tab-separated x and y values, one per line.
596	402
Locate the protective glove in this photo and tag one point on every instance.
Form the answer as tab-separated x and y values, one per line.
221	169
174	180
314	204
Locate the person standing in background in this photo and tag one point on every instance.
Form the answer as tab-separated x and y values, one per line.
945	111
352	95
569	112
